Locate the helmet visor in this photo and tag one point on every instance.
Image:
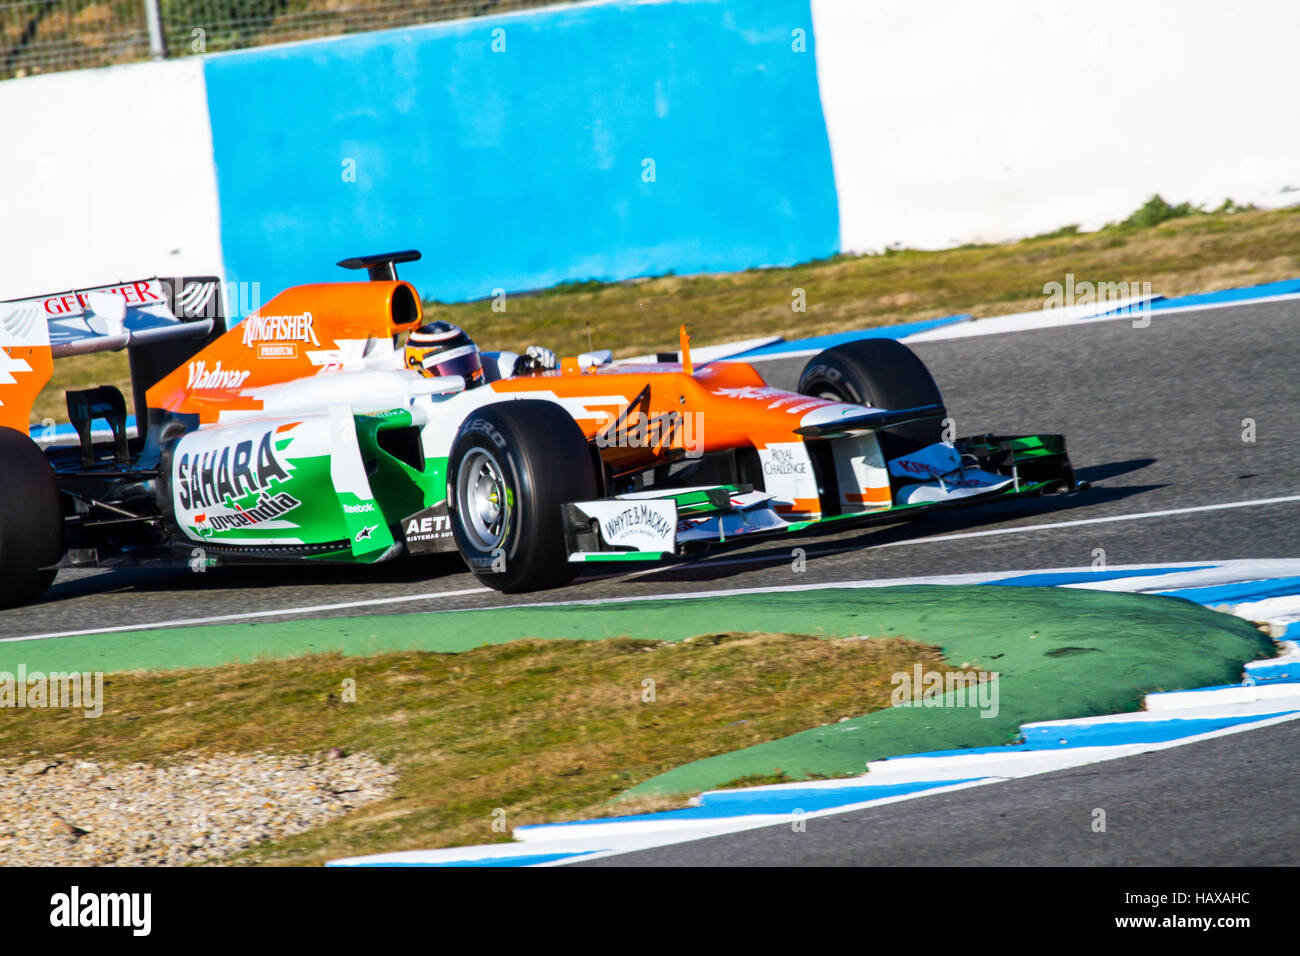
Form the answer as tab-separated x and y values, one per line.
463	361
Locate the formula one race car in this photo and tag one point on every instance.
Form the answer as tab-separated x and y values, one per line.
309	433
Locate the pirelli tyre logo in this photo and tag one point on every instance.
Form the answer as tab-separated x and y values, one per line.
208	485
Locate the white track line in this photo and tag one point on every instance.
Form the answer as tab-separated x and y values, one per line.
1226	572
195	621
668	839
1031	320
757	559
1037	319
311	609
1255	502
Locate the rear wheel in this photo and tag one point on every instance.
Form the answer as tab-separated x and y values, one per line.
31	521
881	373
512	466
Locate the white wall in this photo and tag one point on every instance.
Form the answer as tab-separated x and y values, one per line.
954	121
105	175
950	121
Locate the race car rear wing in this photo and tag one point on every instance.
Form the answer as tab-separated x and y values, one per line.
110	317
159	321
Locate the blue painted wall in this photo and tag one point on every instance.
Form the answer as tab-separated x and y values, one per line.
521	169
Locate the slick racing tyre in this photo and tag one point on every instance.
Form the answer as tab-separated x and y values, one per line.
31	521
512	466
881	373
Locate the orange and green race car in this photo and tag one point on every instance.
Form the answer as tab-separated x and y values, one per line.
335	424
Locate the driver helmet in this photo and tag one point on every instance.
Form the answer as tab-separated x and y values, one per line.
440	348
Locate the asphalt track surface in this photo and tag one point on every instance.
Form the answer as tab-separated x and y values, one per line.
1219	802
1153	417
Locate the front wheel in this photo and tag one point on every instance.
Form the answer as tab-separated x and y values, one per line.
881	373
513	466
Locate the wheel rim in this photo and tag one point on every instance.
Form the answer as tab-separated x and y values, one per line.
483	500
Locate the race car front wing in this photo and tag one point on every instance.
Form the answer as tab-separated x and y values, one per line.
656	524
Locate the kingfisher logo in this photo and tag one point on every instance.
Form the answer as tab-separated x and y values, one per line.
280	328
932	461
917	467
144	292
201	377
